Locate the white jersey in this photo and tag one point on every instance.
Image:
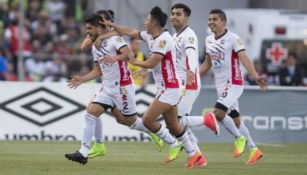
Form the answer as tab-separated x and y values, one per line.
164	73
225	61
184	40
118	72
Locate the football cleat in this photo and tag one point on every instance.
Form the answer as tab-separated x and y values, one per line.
254	155
77	157
239	146
157	140
97	149
193	160
173	153
211	123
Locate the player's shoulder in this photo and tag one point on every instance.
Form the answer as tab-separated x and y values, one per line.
165	34
231	34
117	39
210	37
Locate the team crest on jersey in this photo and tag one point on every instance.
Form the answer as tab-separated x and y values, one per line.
119	40
191	40
162	44
222	41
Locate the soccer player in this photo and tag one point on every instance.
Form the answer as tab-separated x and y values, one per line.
162	61
99	149
117	92
186	45
224	52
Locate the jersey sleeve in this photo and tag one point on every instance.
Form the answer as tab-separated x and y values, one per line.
190	45
144	35
190	42
161	46
118	42
237	44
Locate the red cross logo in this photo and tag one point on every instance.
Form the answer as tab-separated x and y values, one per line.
276	53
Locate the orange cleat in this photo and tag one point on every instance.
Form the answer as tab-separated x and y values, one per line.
255	154
193	160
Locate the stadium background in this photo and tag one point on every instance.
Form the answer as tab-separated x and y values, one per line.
42	108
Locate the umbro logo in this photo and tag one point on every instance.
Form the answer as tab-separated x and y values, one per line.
41	106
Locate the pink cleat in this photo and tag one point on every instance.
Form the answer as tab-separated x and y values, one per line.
211	123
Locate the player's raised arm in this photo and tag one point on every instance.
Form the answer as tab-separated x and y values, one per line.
205	66
124	30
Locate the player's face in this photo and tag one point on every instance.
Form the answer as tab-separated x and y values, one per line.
178	18
215	23
90	29
149	24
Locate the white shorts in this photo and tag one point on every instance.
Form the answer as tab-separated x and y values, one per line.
186	103
229	95
170	96
121	97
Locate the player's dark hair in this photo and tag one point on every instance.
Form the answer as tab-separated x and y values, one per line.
94	20
108	14
221	14
158	15
185	8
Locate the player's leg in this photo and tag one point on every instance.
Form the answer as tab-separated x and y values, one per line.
99	148
255	153
149	119
172	122
184	109
103	99
127	113
227	97
93	112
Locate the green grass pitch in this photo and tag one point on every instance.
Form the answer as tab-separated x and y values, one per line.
135	158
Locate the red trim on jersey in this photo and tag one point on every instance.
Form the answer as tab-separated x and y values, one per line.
125	78
168	71
192	86
236	75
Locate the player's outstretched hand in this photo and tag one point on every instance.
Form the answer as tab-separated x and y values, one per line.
139	74
75	81
106	22
262	83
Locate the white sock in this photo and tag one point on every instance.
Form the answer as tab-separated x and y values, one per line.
164	134
99	131
138	125
193	139
230	126
244	131
187	144
191	121
88	132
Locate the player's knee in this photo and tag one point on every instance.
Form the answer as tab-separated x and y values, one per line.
237	121
219	114
121	121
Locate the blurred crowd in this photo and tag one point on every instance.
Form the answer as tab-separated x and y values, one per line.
51	40
53	32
